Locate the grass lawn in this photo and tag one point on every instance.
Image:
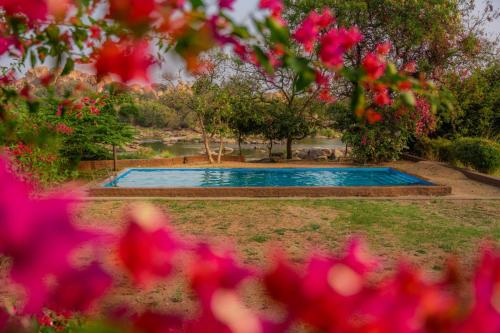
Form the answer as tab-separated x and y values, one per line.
425	232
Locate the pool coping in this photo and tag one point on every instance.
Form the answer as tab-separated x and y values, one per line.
272	192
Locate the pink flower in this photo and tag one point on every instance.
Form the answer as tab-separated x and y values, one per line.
39	239
214	271
274	6
226	4
336	43
78	290
373	66
64	129
32	9
148	246
134	64
485	314
307	33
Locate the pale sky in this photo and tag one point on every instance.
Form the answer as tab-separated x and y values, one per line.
244	9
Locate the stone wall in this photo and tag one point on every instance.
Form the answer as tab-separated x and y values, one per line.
151	163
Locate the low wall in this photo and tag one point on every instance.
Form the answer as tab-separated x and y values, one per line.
256	192
477	176
151	163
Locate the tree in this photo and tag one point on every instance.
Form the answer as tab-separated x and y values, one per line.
93	127
438	36
475	104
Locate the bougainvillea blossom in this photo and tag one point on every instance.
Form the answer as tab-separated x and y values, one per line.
148	246
335	43
374	66
134	64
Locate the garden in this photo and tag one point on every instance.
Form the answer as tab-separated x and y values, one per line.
389	111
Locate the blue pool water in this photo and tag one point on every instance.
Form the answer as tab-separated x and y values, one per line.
277	177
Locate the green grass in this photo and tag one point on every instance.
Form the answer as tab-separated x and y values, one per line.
426	232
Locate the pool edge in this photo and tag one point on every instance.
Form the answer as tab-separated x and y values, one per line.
276	192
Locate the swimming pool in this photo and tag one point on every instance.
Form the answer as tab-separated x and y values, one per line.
263	178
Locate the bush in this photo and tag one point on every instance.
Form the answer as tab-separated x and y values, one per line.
480	154
435	149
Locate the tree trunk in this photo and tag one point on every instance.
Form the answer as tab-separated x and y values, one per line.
289	148
206	142
221	148
270	148
239	144
115	159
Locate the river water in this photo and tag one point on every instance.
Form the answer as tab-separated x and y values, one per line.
250	151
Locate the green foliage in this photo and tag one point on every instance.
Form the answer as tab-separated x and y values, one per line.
152	113
93	134
435	149
474	109
480	154
435	40
379	142
477	153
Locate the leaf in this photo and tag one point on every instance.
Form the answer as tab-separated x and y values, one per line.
68	67
263	60
408	98
305	79
196	3
279	33
358	99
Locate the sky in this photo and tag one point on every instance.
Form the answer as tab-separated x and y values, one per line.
243	10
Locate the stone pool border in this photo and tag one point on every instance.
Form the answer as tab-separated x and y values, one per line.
273	192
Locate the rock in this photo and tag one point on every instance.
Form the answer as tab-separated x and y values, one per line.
322	158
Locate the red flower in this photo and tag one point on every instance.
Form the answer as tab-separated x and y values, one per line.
134	60
410	67
382	98
134	13
373	117
373	66
78	290
95	32
63	129
153	322
147	247
383	49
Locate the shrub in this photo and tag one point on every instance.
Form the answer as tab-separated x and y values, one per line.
480	154
435	149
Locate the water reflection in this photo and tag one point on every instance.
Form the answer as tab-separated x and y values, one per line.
279	177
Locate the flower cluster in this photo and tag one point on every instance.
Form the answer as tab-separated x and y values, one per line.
327	294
